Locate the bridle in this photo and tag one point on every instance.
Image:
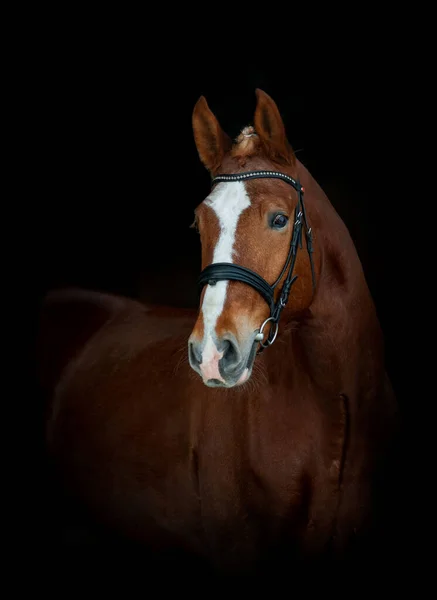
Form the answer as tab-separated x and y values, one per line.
229	271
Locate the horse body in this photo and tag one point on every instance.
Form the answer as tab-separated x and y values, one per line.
283	466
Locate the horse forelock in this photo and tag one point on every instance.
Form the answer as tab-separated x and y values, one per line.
247	143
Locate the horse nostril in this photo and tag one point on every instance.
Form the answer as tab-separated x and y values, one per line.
231	355
194	353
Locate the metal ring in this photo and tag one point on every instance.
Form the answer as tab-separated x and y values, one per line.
261	330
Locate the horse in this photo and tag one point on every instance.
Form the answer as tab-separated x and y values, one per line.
251	433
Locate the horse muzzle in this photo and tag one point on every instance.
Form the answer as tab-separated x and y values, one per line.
222	362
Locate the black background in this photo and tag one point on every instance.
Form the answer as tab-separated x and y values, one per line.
115	174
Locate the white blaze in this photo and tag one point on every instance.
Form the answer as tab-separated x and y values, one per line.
228	201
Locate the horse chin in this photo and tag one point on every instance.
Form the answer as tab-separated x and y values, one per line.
227	384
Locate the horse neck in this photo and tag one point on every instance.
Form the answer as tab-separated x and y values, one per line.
338	342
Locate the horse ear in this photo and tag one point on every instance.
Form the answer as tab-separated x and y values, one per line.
211	141
271	130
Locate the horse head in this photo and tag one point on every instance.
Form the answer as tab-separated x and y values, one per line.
254	229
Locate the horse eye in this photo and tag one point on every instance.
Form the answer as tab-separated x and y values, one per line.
279	221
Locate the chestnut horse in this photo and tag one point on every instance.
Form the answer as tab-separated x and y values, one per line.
252	434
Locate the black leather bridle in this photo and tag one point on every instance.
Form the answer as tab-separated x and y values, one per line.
229	271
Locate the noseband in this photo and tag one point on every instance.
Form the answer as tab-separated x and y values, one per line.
229	271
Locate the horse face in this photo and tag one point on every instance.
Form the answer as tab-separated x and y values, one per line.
247	223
